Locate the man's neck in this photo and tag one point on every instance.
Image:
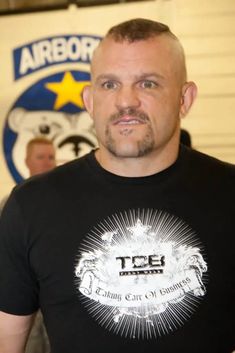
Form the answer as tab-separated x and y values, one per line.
147	165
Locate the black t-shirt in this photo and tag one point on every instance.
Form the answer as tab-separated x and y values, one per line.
123	264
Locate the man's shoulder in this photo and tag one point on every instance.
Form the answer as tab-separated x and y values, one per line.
206	163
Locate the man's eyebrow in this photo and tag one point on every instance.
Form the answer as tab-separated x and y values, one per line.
142	76
106	77
149	75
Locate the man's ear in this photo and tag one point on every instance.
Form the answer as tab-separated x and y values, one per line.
87	99
189	93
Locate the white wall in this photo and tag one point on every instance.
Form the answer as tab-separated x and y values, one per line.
207	31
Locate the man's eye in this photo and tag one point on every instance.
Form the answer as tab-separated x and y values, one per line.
109	85
148	84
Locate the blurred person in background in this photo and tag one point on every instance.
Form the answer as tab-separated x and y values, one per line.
40	158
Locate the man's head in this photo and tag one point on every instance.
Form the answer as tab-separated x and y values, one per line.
139	90
141	29
40	156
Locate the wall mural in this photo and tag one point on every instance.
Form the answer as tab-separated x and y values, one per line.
52	106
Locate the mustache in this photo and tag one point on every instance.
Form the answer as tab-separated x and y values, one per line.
140	115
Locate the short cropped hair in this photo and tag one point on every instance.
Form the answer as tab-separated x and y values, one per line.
138	29
37	141
143	29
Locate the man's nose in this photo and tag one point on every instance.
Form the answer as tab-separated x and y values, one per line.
127	97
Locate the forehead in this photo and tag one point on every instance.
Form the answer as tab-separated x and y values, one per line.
41	147
159	51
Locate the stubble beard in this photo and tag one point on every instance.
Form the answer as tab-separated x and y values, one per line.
130	148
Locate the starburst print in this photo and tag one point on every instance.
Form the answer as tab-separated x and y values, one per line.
141	273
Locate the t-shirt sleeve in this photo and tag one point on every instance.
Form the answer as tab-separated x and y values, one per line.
18	284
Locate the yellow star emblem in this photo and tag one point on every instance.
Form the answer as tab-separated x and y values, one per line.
68	91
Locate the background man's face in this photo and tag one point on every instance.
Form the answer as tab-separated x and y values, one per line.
41	158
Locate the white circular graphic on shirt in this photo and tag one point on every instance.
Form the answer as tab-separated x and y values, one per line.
141	273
